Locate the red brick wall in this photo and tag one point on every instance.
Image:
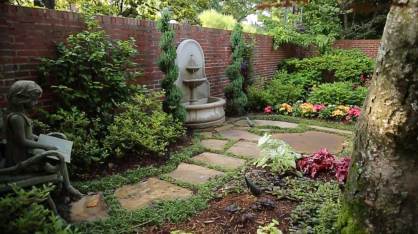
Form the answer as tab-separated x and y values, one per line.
26	34
369	47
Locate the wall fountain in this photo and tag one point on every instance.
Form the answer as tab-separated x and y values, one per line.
203	111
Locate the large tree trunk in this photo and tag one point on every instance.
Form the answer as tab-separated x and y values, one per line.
382	189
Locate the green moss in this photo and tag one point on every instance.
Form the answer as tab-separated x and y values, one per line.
348	221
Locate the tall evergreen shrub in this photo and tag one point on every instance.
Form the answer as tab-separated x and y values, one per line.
166	62
236	98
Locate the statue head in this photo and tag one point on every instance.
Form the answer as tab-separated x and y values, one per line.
23	95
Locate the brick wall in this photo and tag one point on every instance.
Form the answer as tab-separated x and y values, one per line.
26	34
369	47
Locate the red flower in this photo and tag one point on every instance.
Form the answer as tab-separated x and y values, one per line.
341	169
268	110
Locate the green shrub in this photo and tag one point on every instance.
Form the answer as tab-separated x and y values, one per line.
142	126
339	65
236	100
91	71
85	135
23	213
166	62
257	98
338	93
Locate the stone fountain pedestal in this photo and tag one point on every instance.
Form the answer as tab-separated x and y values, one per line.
203	111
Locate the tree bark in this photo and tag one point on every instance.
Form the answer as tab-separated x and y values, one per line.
382	189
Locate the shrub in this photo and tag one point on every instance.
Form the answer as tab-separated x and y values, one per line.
213	19
166	62
338	93
257	99
85	134
339	65
91	71
23	213
236	100
142	126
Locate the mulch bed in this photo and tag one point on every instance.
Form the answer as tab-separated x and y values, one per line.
236	213
132	161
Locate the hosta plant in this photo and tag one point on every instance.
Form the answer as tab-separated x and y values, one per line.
276	155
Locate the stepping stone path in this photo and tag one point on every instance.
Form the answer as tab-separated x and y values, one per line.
145	193
332	130
280	124
312	141
140	195
214	144
239	135
193	174
245	149
220	160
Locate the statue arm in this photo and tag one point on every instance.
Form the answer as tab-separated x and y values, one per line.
18	125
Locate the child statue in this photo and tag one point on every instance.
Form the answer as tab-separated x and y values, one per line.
21	143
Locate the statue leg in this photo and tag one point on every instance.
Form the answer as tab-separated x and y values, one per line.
62	168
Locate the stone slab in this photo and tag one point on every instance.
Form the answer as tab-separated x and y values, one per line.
245	149
236	134
312	141
143	194
223	161
331	130
214	144
280	124
88	209
193	174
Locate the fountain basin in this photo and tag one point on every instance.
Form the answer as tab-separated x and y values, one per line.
205	115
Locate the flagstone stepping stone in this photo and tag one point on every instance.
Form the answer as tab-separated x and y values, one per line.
223	161
193	174
332	130
224	127
89	208
239	134
312	141
143	194
214	144
280	124
245	149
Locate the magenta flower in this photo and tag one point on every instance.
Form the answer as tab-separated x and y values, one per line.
268	110
318	107
354	112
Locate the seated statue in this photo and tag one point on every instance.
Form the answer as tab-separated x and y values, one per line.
26	162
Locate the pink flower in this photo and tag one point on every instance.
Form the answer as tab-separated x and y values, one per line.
354	112
268	110
318	107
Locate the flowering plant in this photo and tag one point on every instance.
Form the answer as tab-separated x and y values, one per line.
268	110
285	108
353	113
318	107
323	161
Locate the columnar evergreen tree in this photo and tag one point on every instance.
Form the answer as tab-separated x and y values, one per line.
166	62
382	188
236	100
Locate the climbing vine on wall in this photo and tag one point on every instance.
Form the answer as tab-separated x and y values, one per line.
166	62
236	98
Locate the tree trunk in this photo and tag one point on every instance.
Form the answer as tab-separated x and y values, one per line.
382	190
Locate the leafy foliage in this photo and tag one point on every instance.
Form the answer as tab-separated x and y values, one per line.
84	133
338	65
270	228
324	162
277	155
142	126
213	19
338	93
88	65
236	98
23	213
172	100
